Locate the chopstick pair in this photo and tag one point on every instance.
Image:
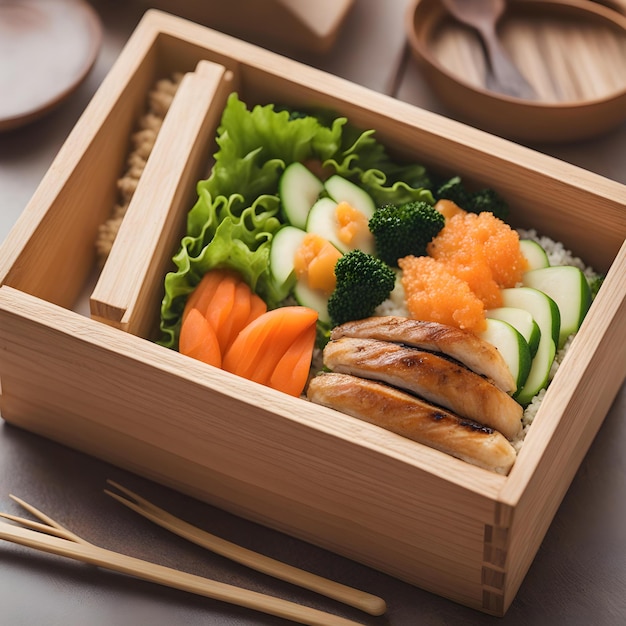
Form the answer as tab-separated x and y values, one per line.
58	540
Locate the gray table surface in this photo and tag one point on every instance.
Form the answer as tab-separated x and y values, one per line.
577	578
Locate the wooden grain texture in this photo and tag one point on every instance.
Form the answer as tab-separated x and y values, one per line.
424	517
569	418
322	476
534	182
90	153
564	59
127	292
86	552
297	24
369	603
559	46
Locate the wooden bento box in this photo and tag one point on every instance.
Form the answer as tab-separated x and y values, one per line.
100	384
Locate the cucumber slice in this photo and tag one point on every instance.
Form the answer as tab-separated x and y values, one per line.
282	252
511	345
341	189
314	299
539	374
569	288
546	313
522	321
542	307
323	222
534	254
298	190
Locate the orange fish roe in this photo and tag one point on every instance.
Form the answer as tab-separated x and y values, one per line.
482	250
434	294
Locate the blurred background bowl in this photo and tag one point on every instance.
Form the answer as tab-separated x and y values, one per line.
573	52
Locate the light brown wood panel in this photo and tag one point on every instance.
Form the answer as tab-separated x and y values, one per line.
408	510
155	219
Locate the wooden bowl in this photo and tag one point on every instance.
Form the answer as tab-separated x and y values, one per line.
572	52
52	47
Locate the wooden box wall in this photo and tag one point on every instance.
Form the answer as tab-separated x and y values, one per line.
100	385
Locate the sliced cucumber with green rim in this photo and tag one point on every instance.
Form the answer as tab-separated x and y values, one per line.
542	307
569	288
323	222
546	313
534	254
539	374
511	345
312	298
285	243
521	320
298	190
343	190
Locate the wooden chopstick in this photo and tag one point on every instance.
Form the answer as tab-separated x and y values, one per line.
348	595
81	550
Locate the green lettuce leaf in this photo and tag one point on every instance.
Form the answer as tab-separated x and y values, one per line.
232	235
237	211
365	161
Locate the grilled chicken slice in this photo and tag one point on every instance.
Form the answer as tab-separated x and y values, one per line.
432	377
411	417
462	345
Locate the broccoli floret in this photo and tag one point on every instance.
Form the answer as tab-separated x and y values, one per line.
472	201
363	282
401	230
454	190
489	200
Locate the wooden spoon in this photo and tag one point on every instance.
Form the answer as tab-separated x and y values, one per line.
483	15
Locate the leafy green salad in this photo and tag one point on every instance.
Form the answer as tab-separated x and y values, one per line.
238	210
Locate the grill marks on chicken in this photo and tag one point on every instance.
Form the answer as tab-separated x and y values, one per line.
426	381
412	417
463	346
429	376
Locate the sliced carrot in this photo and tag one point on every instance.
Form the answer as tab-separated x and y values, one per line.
259	347
201	296
257	308
246	307
227	325
221	305
198	339
292	370
227	302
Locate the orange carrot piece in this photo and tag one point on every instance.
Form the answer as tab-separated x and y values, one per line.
257	308
198	339
292	370
259	347
227	302
239	311
201	296
226	325
247	306
250	347
221	305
